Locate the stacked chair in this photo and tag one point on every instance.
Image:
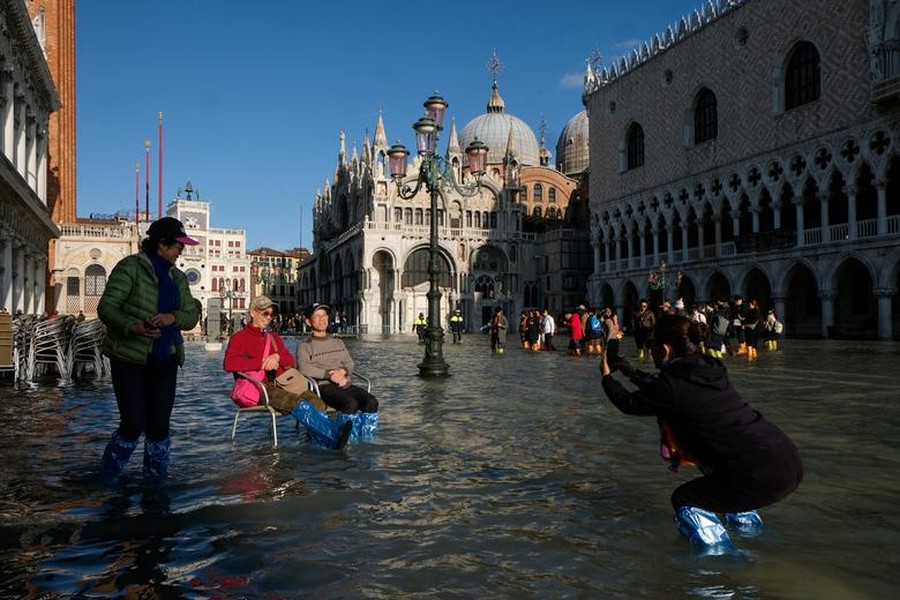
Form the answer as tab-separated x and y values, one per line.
32	347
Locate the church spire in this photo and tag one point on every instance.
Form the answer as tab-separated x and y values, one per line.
380	137
453	144
495	102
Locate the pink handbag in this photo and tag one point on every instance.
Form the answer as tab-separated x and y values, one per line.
246	393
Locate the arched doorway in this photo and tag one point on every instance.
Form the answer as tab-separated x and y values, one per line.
383	284
802	307
855	307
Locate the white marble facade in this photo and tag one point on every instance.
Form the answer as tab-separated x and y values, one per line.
27	98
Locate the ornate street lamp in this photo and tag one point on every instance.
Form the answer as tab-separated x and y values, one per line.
662	279
436	174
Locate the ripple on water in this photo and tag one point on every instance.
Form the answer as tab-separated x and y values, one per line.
513	477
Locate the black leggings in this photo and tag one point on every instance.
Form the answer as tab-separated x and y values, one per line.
145	395
742	491
349	399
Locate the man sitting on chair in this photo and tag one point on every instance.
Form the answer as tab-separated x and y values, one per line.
325	358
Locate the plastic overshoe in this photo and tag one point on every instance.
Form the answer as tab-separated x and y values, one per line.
156	458
367	423
748	524
703	528
322	430
116	456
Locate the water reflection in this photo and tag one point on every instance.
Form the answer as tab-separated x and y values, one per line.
514	477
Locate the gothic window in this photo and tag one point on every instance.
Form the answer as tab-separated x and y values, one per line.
94	280
802	78
468	218
493	220
551	212
398	215
418	216
478	219
523	193
538	192
706	117
408	215
537	211
73	287
551	195
634	143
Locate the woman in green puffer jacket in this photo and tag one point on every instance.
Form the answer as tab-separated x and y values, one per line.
145	306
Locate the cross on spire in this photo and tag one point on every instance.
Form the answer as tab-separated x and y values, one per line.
494	66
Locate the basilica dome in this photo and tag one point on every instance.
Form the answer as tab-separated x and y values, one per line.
572	149
493	128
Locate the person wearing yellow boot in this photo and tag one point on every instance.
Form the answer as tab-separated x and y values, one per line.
772	328
738	311
751	327
644	320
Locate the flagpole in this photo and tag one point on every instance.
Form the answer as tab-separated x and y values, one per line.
137	192
147	179
159	179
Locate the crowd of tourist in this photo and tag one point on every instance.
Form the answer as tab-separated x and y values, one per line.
735	327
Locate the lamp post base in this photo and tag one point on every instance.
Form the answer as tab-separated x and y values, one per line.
433	370
433	366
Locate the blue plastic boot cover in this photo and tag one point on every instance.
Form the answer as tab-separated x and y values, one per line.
321	430
116	455
747	523
701	526
156	457
364	425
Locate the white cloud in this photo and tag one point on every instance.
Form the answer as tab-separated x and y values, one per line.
572	81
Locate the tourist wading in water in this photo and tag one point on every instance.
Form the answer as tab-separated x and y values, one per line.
747	462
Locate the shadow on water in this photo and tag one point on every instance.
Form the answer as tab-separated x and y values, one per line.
513	477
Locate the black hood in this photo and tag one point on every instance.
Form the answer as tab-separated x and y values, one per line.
699	369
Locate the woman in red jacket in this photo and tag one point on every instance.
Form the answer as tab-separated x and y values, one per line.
246	352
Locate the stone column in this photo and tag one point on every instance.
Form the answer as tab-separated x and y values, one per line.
31	152
18	279
28	284
684	241
9	114
42	165
827	297
643	243
850	191
631	250
700	240
655	232
39	289
776	215
798	209
670	243
596	246
718	230
882	208
20	137
6	284
826	226
885	315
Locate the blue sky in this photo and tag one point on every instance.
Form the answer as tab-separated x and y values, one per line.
254	99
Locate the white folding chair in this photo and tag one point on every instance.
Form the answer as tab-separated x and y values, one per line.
262	407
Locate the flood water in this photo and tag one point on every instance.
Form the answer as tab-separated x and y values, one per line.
513	478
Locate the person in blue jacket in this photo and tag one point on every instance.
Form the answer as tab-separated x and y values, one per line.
746	461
